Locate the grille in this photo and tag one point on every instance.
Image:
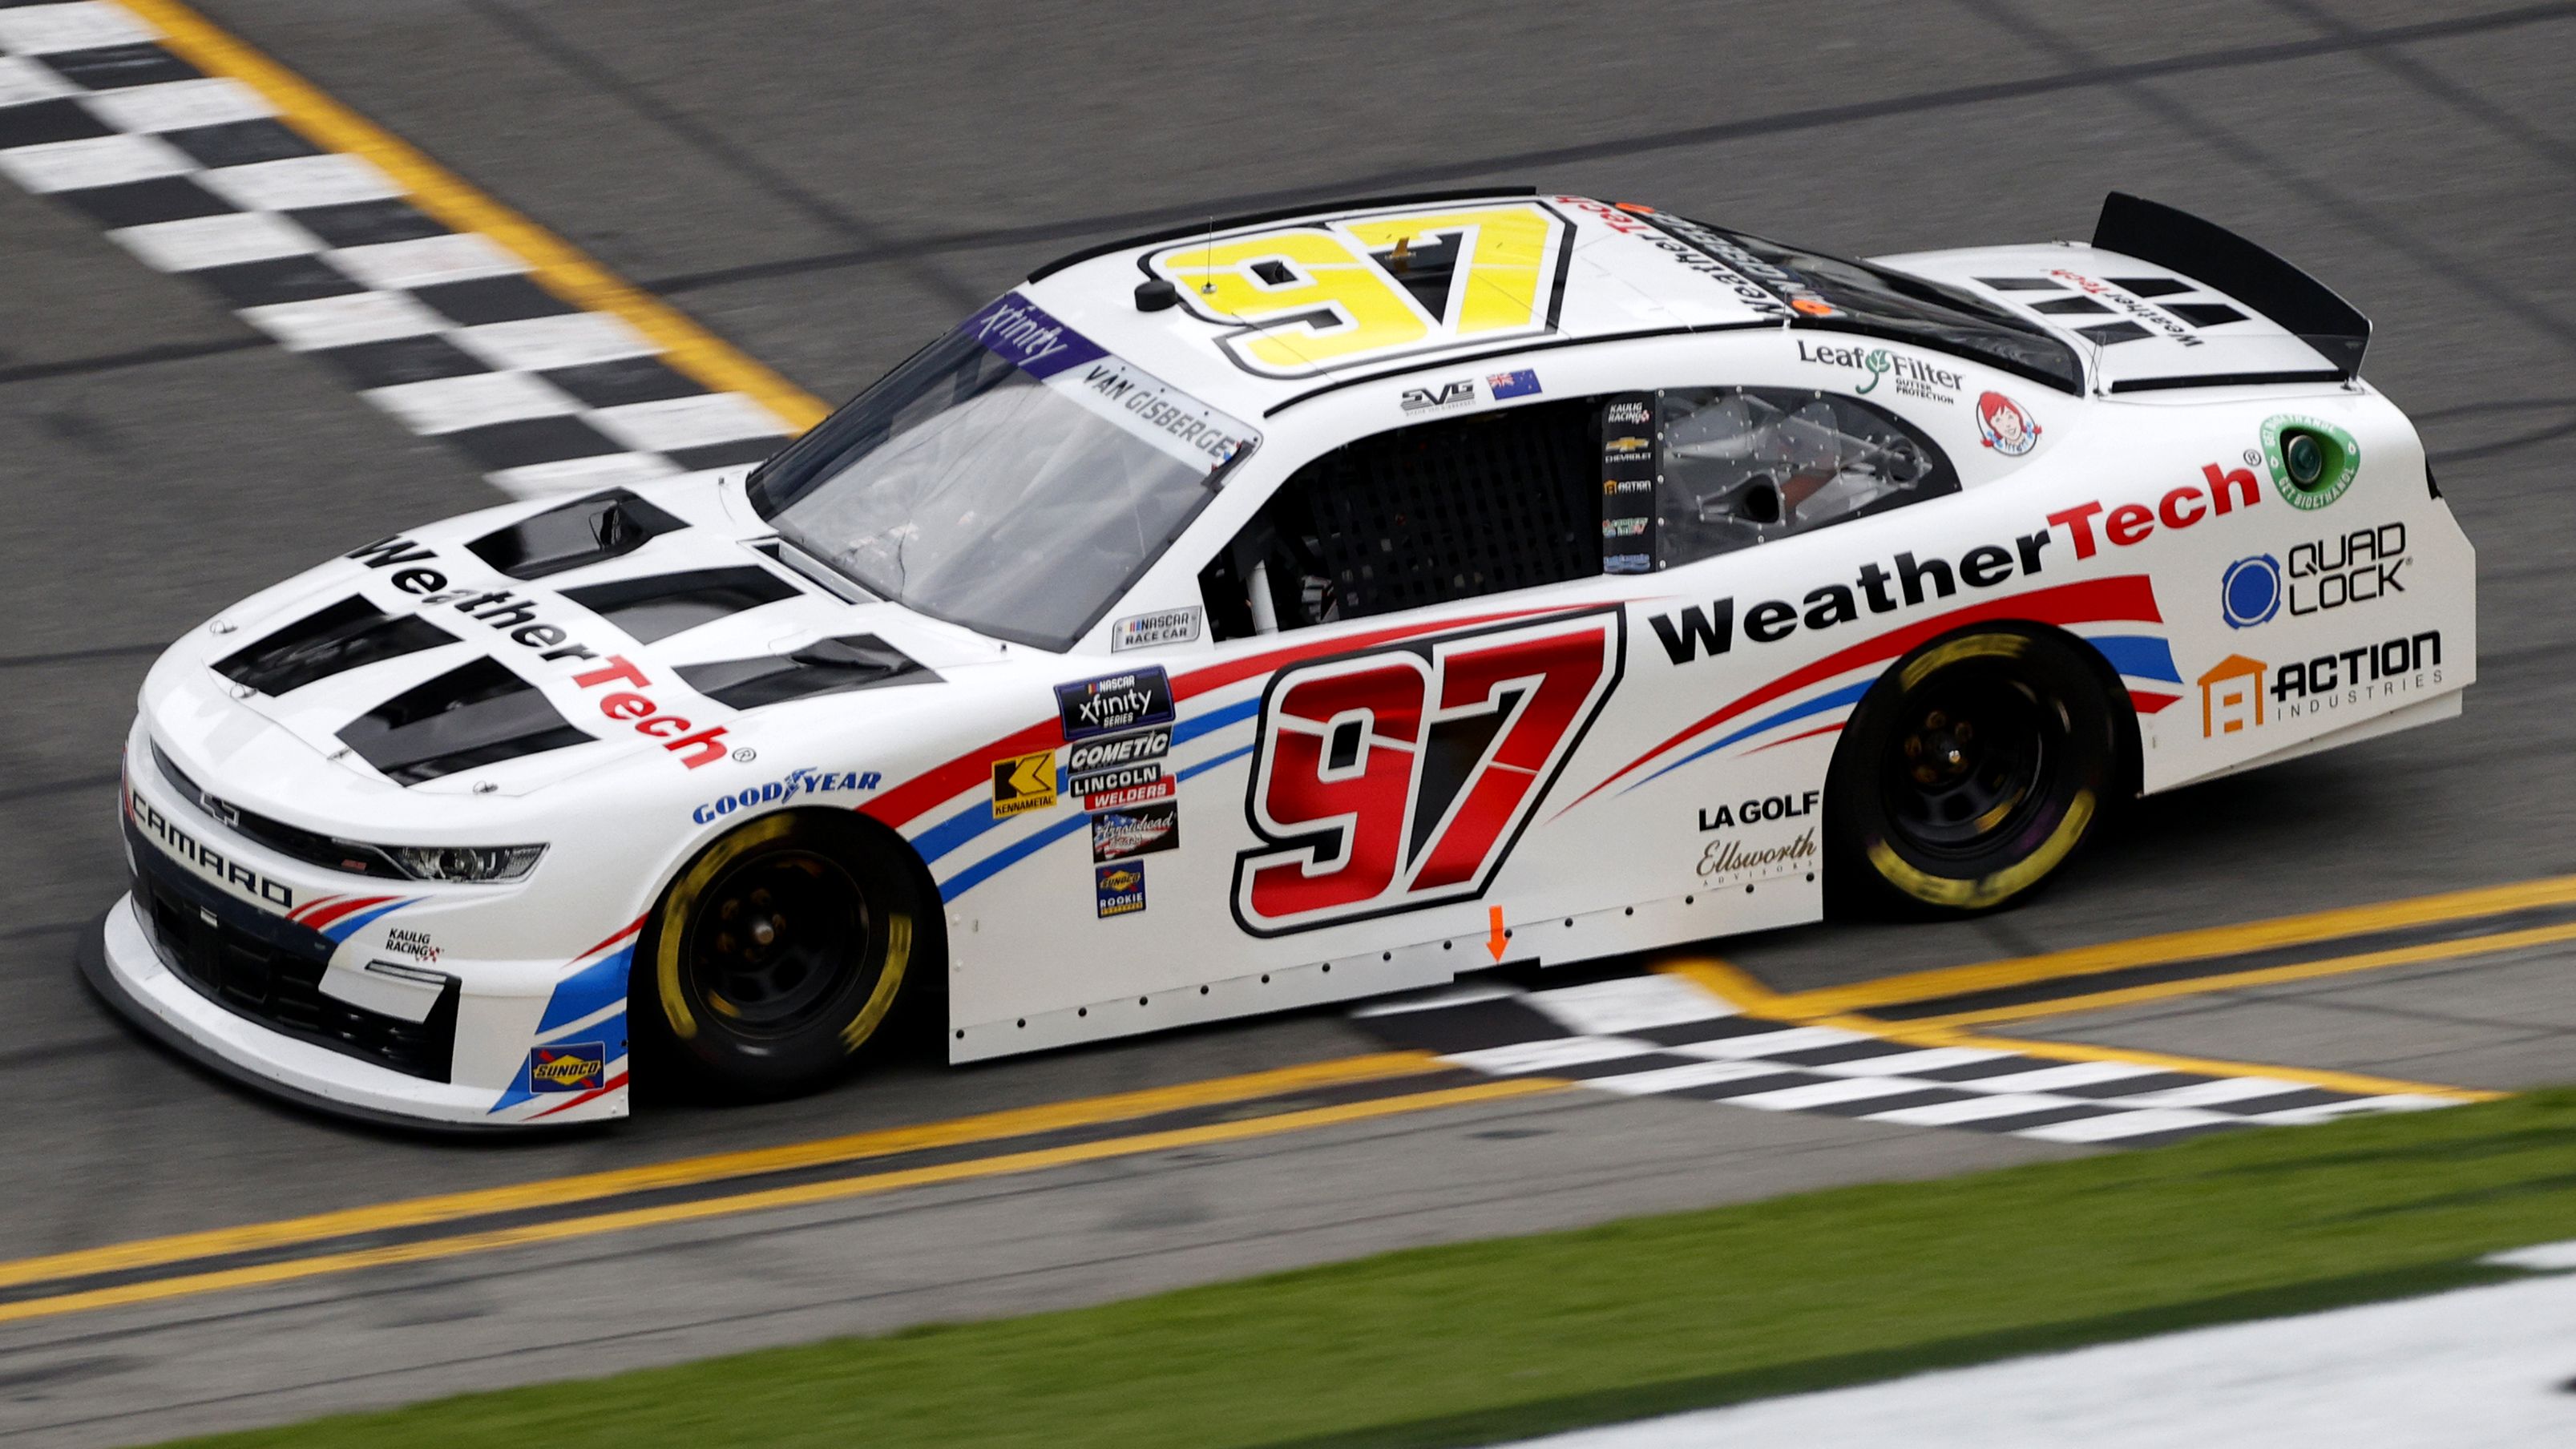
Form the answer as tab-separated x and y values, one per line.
310	846
258	968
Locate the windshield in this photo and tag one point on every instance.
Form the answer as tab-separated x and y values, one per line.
1831	292
1013	477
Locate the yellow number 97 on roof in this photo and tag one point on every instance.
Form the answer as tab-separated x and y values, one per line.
1311	297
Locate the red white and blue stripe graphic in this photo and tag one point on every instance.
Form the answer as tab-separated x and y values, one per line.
338	918
588	1005
1230	694
2106	613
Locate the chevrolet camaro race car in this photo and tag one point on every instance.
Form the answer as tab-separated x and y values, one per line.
1282	611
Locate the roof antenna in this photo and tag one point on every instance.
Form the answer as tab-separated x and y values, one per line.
1207	262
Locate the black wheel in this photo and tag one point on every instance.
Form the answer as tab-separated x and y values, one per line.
1972	771
778	952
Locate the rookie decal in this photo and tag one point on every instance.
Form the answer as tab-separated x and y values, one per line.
580	1066
1119	702
1399	779
1023	783
1119	889
1144	830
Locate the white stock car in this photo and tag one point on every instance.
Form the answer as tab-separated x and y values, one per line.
1281	612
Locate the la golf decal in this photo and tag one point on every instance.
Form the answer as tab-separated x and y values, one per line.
1400	778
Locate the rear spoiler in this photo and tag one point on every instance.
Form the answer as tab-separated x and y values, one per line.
2228	263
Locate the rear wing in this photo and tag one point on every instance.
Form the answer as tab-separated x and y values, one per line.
2228	263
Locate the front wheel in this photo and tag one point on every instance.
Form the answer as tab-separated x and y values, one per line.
778	952
1972	771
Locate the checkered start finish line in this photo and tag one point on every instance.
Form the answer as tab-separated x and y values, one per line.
1662	1036
445	330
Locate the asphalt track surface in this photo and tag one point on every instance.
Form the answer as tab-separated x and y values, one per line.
824	187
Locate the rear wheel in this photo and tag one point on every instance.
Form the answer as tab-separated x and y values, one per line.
1973	770
777	954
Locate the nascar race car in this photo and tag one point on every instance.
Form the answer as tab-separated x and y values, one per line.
1288	610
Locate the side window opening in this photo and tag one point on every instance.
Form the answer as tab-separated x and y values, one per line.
1742	466
1426	514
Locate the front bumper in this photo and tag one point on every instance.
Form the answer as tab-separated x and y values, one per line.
258	967
119	962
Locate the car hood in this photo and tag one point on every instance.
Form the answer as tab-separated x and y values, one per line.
505	651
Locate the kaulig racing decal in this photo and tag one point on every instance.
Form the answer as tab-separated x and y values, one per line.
1400	778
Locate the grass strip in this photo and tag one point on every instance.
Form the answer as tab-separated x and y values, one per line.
1477	1341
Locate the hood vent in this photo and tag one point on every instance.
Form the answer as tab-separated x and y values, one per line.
344	636
660	606
585	531
826	666
466	717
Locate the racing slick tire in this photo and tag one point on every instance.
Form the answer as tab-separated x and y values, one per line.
1971	772
778	952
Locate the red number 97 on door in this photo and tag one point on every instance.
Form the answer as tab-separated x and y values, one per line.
1399	779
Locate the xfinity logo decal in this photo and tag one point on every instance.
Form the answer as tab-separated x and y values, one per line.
1021	333
1119	702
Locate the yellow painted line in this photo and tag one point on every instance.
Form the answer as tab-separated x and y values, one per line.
1737	988
560	265
562	1191
801	1195
2462	948
2194	945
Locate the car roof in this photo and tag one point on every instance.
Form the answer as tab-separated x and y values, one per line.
1256	312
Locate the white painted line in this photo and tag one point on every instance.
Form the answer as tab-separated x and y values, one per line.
2214	1093
426	261
2539	1258
344	321
2125	1124
687	422
2073	1074
570	339
478	399
1901	1064
1674	1079
1826	1094
2474	1367
178	105
222	240
1539	1056
582	475
25	81
1629	1004
330	179
1763	1044
1974	1109
2328	1111
51	29
96	161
